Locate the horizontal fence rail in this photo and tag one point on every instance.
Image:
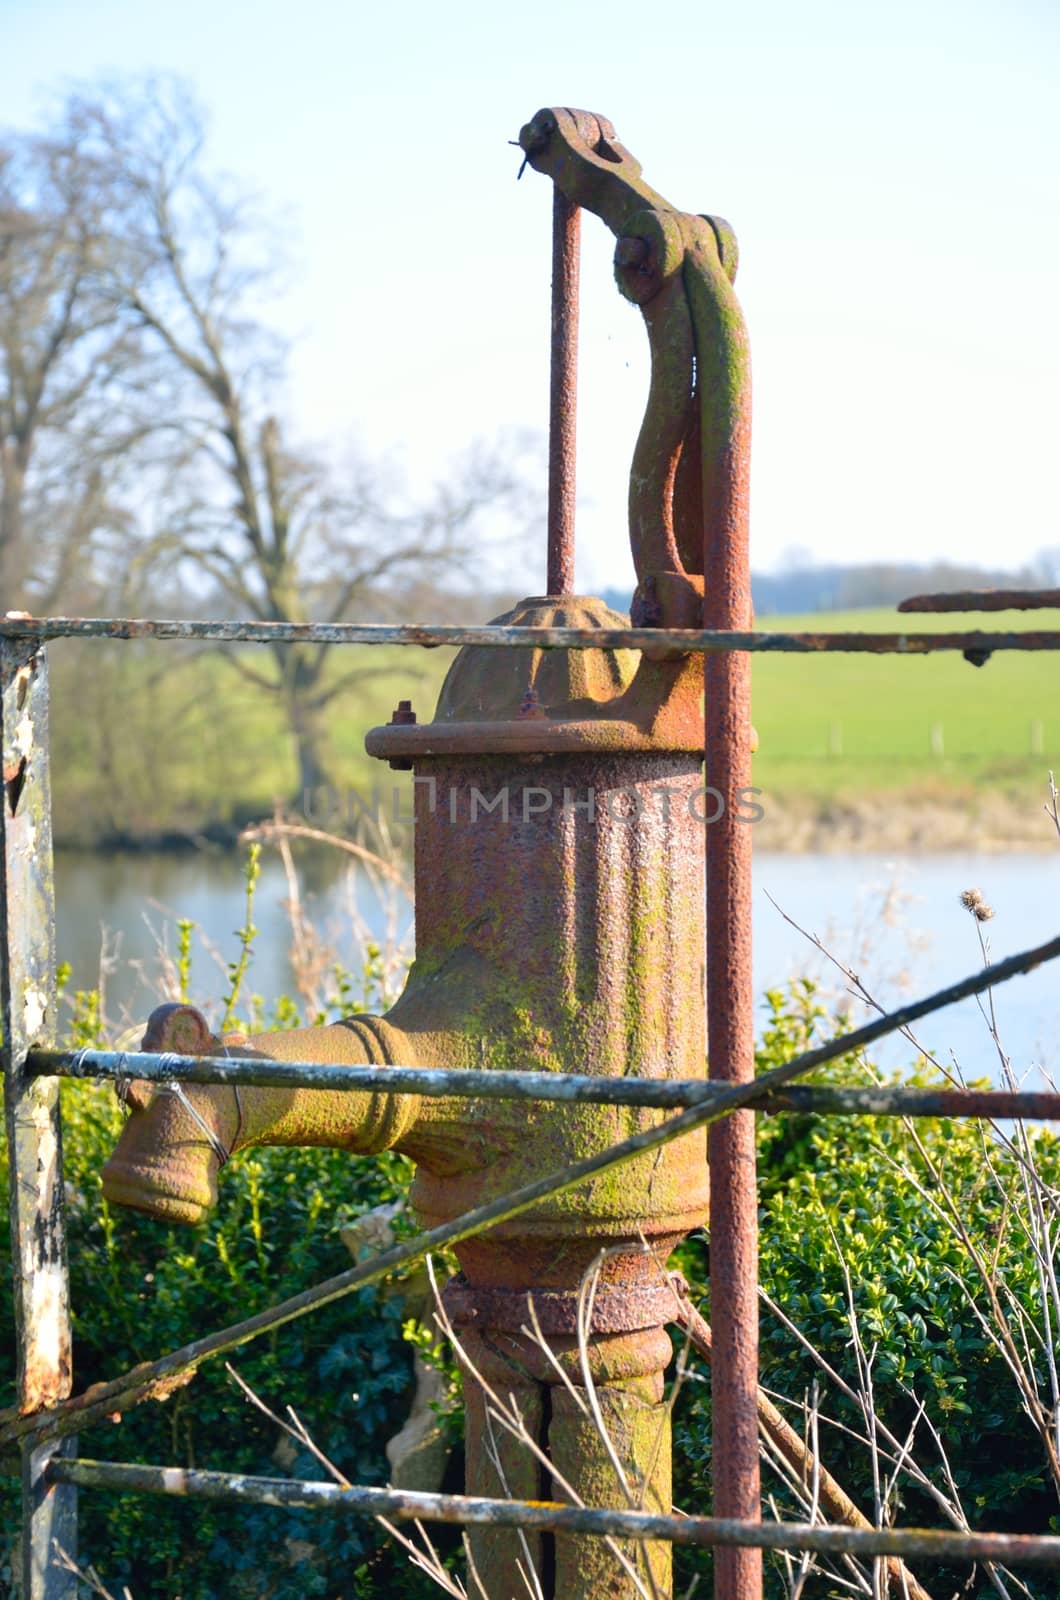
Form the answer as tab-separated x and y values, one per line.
411	1505
984	600
706	641
878	1100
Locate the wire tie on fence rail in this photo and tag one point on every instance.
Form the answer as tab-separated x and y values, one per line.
122	1083
178	1092
239	1103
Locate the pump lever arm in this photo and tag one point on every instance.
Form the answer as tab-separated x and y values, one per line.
689	468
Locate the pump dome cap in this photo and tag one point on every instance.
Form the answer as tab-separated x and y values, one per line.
515	700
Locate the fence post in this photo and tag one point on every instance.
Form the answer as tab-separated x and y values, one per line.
34	1138
726	434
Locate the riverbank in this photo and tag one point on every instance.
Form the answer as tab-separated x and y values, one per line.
921	821
926	819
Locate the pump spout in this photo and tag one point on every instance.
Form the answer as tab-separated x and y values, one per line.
177	1138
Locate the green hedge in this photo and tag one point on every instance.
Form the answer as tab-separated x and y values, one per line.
835	1189
140	1288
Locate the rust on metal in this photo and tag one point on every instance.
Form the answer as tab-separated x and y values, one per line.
727	1100
563	394
679	641
1014	1549
689	536
580	152
540	702
403	717
618	1307
984	600
723	383
887	1100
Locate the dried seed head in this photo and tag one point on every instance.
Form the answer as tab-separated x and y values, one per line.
972	900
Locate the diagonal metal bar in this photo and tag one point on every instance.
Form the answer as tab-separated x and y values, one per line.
410	1505
707	641
564	1087
157	1379
809	1469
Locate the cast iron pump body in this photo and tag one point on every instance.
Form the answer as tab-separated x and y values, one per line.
559	903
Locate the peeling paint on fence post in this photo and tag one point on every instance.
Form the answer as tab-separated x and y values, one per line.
34	1137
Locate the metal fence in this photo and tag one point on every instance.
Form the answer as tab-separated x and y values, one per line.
44	1423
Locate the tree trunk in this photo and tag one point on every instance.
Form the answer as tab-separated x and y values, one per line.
308	729
12	533
311	745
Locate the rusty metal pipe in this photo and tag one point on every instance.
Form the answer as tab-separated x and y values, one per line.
985	600
886	1100
565	937
551	931
1013	1549
563	394
723	378
706	641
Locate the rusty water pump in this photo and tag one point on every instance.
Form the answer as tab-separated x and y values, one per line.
559	886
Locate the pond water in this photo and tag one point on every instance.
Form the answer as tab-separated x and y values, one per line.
897	922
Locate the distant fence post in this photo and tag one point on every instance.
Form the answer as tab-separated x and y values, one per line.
938	746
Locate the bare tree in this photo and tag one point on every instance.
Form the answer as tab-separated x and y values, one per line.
61	350
280	532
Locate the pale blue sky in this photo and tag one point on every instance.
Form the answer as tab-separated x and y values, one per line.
890	172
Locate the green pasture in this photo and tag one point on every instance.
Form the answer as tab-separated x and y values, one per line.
834	723
153	738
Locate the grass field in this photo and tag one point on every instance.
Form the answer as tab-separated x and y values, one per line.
194	743
924	715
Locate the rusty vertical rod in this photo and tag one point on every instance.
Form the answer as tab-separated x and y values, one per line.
31	1106
563	395
730	1032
